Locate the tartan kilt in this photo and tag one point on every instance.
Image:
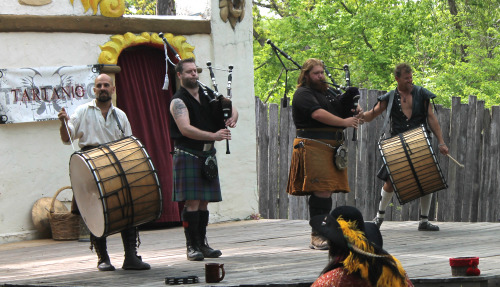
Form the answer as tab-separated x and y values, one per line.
189	183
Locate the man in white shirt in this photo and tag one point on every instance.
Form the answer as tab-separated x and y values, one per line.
94	123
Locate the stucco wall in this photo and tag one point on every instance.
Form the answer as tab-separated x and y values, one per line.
56	7
35	163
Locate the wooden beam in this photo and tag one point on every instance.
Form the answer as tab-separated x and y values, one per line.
103	25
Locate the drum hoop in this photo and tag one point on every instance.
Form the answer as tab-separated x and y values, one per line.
434	157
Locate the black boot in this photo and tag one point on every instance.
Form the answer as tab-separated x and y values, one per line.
132	260
319	206
207	251
103	263
190	221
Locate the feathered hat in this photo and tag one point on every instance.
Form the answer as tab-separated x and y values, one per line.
362	243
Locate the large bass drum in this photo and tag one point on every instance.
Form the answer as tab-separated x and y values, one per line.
115	186
412	165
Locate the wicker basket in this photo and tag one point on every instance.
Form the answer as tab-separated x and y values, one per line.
64	225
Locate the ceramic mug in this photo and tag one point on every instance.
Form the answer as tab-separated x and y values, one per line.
212	274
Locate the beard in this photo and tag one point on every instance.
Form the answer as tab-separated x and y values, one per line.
190	83
103	97
318	86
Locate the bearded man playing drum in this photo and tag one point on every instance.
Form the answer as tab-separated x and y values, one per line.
95	123
320	117
195	126
410	109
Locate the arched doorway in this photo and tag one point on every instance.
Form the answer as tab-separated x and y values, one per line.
139	86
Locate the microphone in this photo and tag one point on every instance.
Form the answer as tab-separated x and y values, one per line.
283	53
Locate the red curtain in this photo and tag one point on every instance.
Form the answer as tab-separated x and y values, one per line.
140	95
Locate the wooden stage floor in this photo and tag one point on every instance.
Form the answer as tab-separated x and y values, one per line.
255	253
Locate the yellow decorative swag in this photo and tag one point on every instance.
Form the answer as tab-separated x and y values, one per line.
109	8
112	49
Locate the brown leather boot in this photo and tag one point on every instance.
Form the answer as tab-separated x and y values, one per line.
319	206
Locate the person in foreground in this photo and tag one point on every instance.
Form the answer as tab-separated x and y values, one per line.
410	108
195	126
320	116
356	256
95	123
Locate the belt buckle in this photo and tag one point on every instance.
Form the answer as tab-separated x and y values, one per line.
207	146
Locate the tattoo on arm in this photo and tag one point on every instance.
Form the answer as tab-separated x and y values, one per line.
178	108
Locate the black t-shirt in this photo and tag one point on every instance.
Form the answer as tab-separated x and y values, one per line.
421	100
307	100
201	116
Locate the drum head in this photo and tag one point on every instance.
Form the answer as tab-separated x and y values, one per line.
87	194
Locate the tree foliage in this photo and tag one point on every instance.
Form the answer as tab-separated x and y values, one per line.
140	7
453	46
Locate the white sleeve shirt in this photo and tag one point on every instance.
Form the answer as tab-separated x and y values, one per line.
88	125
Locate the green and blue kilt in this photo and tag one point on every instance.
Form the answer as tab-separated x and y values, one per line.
189	183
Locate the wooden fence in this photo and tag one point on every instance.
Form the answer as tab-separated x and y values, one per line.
471	132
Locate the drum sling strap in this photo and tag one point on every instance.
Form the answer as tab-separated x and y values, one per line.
118	123
388	113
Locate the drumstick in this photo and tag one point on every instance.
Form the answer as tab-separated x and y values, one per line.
455	161
67	130
69	134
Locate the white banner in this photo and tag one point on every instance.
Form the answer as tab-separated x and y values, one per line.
38	94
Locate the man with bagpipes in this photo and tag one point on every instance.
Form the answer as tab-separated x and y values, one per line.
197	122
408	107
318	166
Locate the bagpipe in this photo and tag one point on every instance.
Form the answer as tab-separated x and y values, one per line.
348	99
221	105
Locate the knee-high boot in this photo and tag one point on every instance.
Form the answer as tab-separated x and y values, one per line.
103	263
190	221
318	206
207	251
132	260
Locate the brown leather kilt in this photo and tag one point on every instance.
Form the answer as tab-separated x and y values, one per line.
312	168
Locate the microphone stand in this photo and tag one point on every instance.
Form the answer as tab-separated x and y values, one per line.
276	50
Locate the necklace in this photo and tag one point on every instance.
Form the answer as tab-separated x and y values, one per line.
402	96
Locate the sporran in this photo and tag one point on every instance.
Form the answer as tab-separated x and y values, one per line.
340	157
209	168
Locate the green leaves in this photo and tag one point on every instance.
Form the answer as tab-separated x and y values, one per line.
453	54
140	7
